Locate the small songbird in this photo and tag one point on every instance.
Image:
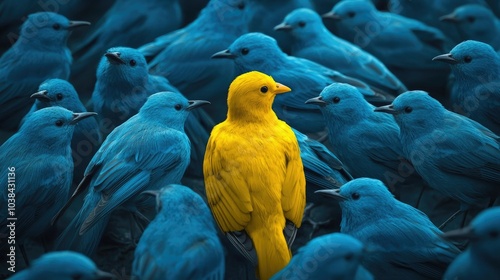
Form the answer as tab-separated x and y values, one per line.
254	176
181	242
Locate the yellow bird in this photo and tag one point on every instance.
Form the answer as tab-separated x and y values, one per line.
254	177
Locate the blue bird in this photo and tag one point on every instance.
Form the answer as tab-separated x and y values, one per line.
475	82
183	56
454	155
127	23
331	256
475	22
181	242
148	151
62	265
405	243
37	170
86	138
311	40
256	51
406	46
39	53
480	260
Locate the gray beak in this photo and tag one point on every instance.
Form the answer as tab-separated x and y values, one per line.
77	23
446	58
316	101
80	116
334	193
41	95
389	109
193	104
283	27
114	58
331	15
224	54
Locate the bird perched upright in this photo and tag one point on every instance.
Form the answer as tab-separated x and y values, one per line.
480	259
181	242
311	40
405	243
39	53
475	84
454	155
148	151
259	52
254	177
37	170
475	22
62	265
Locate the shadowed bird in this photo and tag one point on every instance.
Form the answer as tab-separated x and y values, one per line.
406	46
454	155
405	243
311	40
183	56
127	23
480	260
148	151
39	53
331	256
37	162
475	82
86	138
254	177
62	265
256	51
475	22
181	242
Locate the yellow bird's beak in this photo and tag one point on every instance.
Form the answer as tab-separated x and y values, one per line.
281	89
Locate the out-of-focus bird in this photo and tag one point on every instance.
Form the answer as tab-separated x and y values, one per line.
62	265
256	51
254	176
183	56
148	151
331	256
475	84
127	23
475	22
406	244
40	53
406	46
311	40
181	242
86	138
480	260
37	170
454	155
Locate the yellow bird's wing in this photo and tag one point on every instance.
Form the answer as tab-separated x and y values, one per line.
227	191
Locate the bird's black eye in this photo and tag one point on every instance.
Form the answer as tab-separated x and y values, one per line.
132	62
263	89
467	59
355	196
178	107
245	51
349	257
302	24
471	19
351	14
493	234
59	96
241	6
336	99
59	123
56	26
76	277
408	109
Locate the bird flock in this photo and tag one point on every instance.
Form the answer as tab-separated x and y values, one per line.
250	139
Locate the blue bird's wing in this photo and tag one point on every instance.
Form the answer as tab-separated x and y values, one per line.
151	50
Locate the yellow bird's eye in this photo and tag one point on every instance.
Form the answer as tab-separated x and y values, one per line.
263	89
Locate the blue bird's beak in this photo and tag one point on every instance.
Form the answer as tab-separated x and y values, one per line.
41	95
446	58
449	18
283	27
316	101
335	194
77	23
389	109
224	54
114	58
80	116
331	15
461	233
196	103
102	275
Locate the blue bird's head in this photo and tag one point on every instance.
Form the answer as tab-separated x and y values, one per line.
352	12
303	24
474	20
169	108
253	51
472	59
175	197
123	65
57	92
231	14
47	30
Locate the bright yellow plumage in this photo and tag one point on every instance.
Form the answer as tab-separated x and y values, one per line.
254	176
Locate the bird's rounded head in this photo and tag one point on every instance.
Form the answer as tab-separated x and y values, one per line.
301	22
485	233
354	11
123	65
57	92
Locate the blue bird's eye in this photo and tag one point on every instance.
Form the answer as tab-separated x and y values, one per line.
132	63
471	19
351	14
59	96
59	123
178	107
467	59
336	99
263	89
493	234
302	24
408	109
349	257
245	51
56	26
241	6
355	196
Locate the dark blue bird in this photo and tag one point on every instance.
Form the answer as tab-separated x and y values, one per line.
405	243
181	242
39	53
146	152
